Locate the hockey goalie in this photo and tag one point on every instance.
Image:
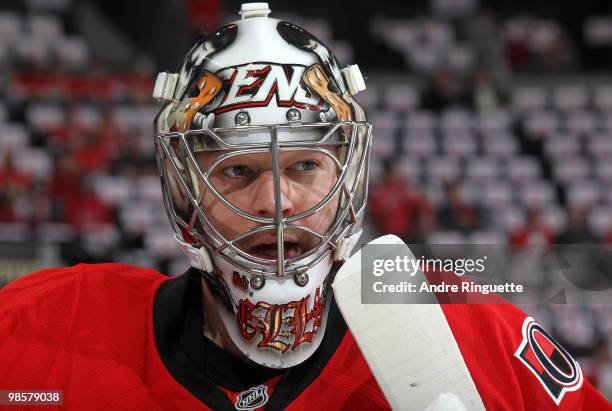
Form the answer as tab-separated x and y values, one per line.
263	156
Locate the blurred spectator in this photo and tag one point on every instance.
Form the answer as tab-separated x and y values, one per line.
88	247
535	231
559	56
110	134
484	94
576	228
86	209
13	185
599	371
518	52
442	92
456	214
66	181
482	32
396	208
534	44
89	152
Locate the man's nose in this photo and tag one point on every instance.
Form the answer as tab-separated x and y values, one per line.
264	203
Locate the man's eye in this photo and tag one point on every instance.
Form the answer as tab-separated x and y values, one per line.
307	165
237	171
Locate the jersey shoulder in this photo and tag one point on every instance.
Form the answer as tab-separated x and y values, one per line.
515	363
85	284
88	330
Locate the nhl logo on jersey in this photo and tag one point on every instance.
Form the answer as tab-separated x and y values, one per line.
252	398
548	361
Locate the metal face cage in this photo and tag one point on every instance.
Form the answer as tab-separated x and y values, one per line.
184	183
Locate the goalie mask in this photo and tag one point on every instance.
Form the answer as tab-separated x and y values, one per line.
263	154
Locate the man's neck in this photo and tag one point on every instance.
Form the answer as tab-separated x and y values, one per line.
214	329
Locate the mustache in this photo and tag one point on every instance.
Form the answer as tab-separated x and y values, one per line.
304	239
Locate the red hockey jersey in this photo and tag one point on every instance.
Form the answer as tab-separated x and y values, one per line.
115	337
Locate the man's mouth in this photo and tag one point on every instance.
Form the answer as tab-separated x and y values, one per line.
269	250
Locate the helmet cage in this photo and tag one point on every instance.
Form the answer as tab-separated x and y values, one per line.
184	184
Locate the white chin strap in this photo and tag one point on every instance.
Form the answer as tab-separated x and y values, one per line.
198	257
346	246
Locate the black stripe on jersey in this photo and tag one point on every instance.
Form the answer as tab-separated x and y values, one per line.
175	320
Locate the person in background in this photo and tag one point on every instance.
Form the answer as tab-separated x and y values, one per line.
398	208
535	231
456	213
443	91
576	230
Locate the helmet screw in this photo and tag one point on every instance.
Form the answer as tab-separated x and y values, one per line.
293	115
242	118
301	279
257	282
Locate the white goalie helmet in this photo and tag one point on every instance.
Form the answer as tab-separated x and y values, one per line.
263	154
